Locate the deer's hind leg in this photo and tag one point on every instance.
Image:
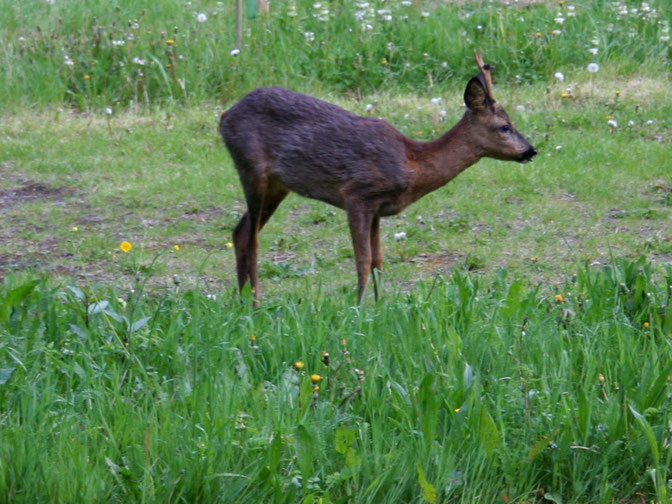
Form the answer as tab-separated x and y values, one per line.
263	195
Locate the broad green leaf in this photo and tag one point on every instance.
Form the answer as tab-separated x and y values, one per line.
140	323
487	432
275	452
345	437
429	409
5	374
648	432
352	459
14	298
305	449
428	490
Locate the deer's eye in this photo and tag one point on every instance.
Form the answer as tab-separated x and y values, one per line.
505	129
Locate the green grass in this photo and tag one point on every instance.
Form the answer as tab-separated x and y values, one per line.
114	54
521	351
164	178
489	390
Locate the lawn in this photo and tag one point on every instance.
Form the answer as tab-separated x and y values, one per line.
522	348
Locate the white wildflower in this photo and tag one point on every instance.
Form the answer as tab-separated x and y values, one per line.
521	108
67	61
612	123
436	101
560	77
235	52
559	19
400	236
593	50
424	14
309	36
650	121
135	25
108	111
117	43
139	61
558	147
202	17
631	123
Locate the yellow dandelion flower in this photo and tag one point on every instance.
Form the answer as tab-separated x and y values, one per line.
609	117
176	247
534	259
565	95
538	34
169	65
170	41
600	377
87	77
559	298
383	61
298	365
229	245
316	388
315	378
457	410
75	228
646	325
253	337
126	246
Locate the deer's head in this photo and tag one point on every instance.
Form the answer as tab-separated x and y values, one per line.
493	133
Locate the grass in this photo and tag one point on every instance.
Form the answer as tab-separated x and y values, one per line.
458	391
98	54
163	178
522	349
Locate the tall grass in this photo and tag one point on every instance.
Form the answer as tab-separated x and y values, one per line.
99	54
456	392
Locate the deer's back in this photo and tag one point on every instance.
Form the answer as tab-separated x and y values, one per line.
316	148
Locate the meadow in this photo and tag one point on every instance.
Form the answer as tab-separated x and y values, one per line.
522	350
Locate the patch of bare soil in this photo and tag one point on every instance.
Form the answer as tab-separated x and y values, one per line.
32	191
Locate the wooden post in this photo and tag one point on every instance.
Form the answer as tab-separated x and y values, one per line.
239	23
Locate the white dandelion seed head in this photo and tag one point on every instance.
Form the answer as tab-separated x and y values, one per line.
135	25
436	101
368	107
593	67
107	111
521	108
560	77
593	50
201	17
612	123
235	52
631	123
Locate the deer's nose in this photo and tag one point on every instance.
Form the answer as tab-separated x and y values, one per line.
528	155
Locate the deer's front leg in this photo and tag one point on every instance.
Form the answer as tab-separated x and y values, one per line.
360	221
376	254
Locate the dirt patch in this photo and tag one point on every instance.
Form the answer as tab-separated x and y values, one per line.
31	191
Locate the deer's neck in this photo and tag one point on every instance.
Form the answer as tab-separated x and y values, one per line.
438	162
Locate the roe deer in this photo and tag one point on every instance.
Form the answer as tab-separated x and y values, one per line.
283	141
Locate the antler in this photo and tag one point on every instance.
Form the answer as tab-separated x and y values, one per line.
485	71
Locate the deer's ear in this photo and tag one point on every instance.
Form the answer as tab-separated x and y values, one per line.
476	96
